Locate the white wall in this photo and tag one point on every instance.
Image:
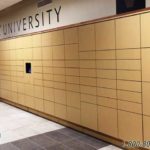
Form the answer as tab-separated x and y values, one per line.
72	11
147	3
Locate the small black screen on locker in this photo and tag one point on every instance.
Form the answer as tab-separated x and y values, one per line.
28	67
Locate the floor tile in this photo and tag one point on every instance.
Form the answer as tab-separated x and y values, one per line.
8	146
59	147
26	144
77	145
110	147
8	136
46	127
26	132
71	132
58	136
93	141
43	141
20	124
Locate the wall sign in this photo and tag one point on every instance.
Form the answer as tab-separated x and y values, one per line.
30	22
32	18
59	13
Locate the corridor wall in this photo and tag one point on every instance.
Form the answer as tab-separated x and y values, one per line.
95	75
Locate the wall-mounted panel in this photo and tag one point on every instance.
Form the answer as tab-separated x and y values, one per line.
107	121
73	115
128	32
49	107
129	96
130	126
129	86
145	64
107	102
130	107
146	98
146	128
129	64
129	75
89	115
105	35
145	31
71	35
60	111
129	54
87	42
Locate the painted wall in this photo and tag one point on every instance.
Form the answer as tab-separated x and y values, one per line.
147	3
71	12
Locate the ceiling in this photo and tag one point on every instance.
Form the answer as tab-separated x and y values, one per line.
7	3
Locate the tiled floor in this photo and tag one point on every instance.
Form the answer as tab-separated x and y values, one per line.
16	124
20	130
